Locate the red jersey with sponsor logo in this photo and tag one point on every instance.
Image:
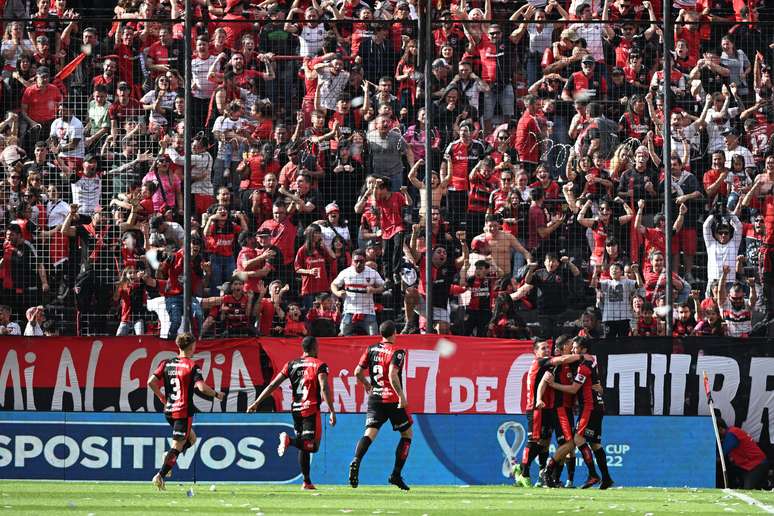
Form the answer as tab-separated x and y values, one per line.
377	360
481	290
180	375
464	157
302	373
234	311
583	376
481	188
539	367
563	375
647	328
221	238
314	260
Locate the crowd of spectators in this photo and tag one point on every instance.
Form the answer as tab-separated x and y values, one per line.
308	168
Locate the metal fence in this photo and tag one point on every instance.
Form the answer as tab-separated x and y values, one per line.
313	112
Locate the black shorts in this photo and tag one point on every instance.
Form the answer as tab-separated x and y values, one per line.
181	428
379	413
540	424
590	426
564	425
307	427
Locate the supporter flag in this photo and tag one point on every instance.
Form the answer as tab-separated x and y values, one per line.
70	67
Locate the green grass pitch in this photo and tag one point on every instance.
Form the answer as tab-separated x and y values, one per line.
96	499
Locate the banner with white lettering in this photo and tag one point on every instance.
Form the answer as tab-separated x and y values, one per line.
442	375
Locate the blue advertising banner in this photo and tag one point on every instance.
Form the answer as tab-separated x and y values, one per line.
446	449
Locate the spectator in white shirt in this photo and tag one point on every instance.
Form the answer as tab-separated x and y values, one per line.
722	247
356	285
333	79
8	327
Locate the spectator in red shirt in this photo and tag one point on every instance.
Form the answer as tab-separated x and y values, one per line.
313	263
283	232
529	134
390	205
220	233
745	455
39	105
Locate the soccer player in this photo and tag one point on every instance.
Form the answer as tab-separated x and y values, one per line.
564	404
309	381
181	375
387	400
588	390
540	409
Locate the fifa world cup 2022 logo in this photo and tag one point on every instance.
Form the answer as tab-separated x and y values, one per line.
510	444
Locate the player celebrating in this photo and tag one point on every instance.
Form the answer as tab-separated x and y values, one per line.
540	416
387	400
564	404
181	375
592	408
309	380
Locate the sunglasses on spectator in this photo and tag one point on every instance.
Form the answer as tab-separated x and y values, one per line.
502	138
15	177
736	299
494	33
721	233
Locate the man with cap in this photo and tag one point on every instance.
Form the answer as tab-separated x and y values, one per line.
39	105
271	255
67	133
356	286
722	238
732	147
587	84
332	226
568	50
123	109
86	186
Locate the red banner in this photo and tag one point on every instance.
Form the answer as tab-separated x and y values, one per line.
443	374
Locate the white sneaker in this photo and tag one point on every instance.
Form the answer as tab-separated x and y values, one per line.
568	484
284	442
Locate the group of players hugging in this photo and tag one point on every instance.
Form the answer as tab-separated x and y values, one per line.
554	385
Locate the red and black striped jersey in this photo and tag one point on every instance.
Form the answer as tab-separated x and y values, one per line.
480	293
587	374
180	375
303	374
563	375
536	371
377	359
647	328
